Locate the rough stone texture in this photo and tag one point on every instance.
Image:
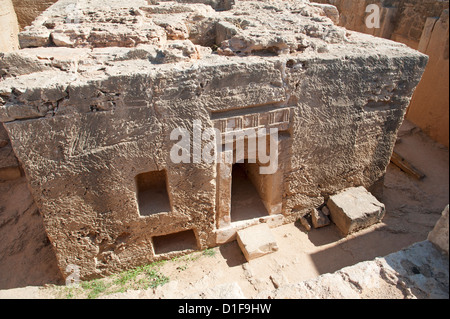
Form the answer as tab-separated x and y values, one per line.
417	272
85	120
256	241
305	222
439	234
409	19
422	25
9	27
429	106
319	219
354	209
9	166
26	254
28	10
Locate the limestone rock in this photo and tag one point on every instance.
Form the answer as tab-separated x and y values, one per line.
325	211
319	219
85	121
305	222
354	209
28	10
34	38
330	11
62	40
417	272
439	234
256	241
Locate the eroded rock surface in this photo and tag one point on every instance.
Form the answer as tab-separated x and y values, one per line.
417	272
92	100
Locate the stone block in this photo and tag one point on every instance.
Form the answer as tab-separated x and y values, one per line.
305	223
319	219
325	210
354	209
256	241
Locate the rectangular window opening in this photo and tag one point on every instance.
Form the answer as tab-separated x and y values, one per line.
246	186
152	194
183	240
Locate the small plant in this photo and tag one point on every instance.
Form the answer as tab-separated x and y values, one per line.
210	252
182	267
95	287
156	279
143	277
70	293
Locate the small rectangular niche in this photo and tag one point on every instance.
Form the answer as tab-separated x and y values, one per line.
183	240
152	194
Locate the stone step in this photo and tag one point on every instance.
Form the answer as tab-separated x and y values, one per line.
256	241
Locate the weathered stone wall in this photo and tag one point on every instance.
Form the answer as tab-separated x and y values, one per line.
28	10
9	166
8	27
85	120
429	107
422	25
407	20
411	19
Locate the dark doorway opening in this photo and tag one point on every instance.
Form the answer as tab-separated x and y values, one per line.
246	185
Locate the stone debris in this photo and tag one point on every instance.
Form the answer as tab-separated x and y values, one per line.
319	219
325	211
278	279
305	222
354	209
256	241
100	24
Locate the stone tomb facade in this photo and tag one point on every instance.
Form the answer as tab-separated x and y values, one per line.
89	104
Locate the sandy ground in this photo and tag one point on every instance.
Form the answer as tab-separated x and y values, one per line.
412	209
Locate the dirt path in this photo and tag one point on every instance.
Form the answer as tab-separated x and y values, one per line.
412	206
